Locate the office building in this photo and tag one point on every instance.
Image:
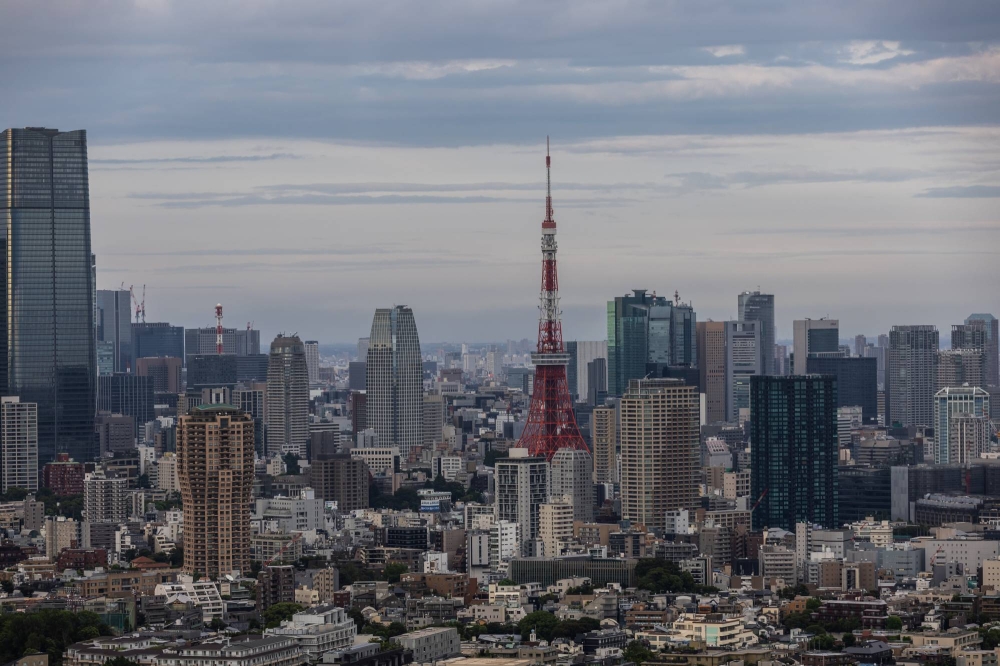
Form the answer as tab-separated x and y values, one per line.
114	325
287	398
991	344
794	455
857	381
252	368
572	474
207	371
781	365
251	401
504	543
164	372
628	338
312	360
153	339
64	476
712	368
105	499
597	382
659	437
129	395
742	363
522	484
216	473
956	438
581	354
18	444
555	526
340	478
394	380
813	336
755	306
235	341
604	435
116	434
911	375
956	367
48	354
433	420
356	371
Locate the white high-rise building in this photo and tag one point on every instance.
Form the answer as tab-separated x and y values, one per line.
105	499
363	349
394	379
18	444
287	398
743	340
588	351
555	525
505	543
522	484
813	336
573	478
954	435
312	360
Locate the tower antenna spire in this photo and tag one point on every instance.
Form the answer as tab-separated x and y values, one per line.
548	185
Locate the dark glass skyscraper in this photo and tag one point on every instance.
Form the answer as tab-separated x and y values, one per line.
793	451
857	381
755	306
49	350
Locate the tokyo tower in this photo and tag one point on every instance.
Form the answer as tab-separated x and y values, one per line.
551	423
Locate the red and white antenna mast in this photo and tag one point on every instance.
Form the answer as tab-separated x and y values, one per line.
218	328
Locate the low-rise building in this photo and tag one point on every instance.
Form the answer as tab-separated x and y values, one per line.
432	644
318	630
715	630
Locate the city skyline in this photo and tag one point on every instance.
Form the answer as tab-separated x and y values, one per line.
701	149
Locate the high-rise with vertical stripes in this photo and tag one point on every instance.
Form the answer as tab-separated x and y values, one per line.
394	379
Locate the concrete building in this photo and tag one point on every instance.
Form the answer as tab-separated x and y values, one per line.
522	485
555	526
290	514
742	363
312	360
18	444
432	644
341	478
755	306
235	342
318	630
433	419
379	459
712	368
981	331
582	353
715	630
813	336
216	471
911	375
64	476
105	499
166	473
966	435
604	438
163	371
956	367
572	474
659	435
114	327
394	380
504	543
287	397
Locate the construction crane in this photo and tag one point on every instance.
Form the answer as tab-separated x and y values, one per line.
759	500
140	306
281	550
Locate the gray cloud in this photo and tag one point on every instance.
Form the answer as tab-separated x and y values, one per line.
962	192
210	159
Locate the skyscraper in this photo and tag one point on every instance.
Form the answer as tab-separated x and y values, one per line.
813	336
794	454
130	395
960	366
581	354
114	325
522	485
342	479
150	339
628	338
857	381
659	436
911	375
742	363
238	341
18	444
312	360
287	397
573	477
394	380
992	373
216	472
957	439
755	306
712	368
48	353
604	434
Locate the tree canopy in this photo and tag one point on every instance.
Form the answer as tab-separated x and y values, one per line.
659	576
278	613
46	631
548	627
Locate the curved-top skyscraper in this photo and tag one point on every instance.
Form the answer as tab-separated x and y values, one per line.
394	379
287	397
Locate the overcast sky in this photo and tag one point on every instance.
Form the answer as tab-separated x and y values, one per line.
304	162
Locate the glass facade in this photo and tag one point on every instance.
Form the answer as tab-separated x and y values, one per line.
793	451
49	354
755	306
157	339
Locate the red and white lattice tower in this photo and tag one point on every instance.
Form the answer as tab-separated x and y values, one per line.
218	329
551	423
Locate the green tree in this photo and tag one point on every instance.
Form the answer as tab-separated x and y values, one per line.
813	604
542	622
46	631
895	623
217	624
638	652
14	494
358	618
848	640
394	570
990	636
659	576
278	613
291	463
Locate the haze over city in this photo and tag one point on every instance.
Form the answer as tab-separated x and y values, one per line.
304	163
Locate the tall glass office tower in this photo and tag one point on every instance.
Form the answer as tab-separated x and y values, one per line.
755	306
48	353
394	379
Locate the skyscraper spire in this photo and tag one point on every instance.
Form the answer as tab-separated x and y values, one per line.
551	423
